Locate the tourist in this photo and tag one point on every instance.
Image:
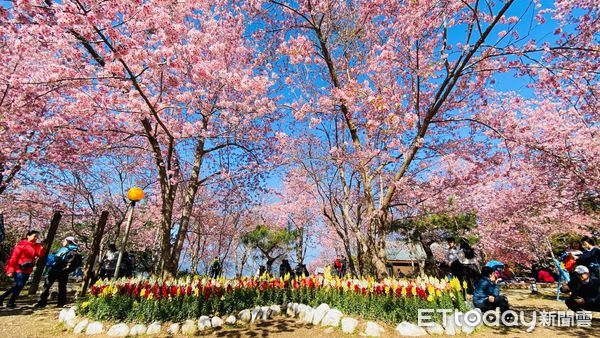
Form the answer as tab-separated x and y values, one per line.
590	257
469	266
452	258
544	276
261	271
506	274
486	295
285	268
64	261
109	262
585	293
20	265
302	271
337	264
575	250
215	267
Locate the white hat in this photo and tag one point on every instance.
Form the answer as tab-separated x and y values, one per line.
580	269
71	239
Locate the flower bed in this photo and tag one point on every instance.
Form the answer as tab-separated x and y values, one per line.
147	300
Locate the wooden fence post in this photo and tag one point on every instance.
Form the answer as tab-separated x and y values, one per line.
41	263
94	251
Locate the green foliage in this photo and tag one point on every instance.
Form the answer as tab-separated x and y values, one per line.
451	225
269	240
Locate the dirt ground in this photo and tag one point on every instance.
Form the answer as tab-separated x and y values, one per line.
26	321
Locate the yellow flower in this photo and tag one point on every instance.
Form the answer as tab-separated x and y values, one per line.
430	298
464	284
85	304
413	291
403	292
438	293
143	293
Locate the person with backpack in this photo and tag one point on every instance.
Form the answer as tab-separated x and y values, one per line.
64	261
470	267
21	264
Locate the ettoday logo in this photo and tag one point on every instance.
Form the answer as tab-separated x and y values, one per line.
510	318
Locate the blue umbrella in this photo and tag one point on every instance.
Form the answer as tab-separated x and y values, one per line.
494	264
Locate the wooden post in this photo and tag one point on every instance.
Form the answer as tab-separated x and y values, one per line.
88	270
47	243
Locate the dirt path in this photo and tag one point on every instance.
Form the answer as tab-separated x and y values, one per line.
29	322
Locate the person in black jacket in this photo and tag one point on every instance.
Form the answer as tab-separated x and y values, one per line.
585	292
590	257
285	268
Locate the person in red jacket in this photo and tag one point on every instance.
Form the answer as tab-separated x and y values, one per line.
20	265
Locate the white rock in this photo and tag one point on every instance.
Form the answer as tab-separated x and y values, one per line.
450	326
295	309
290	310
467	329
309	314
320	312
189	328
275	310
265	311
435	328
118	330
255	314
332	318
69	314
230	320
300	311
173	329
373	329
245	316
71	323
410	330
61	315
349	325
216	322
80	327
153	329
94	328
203	323
138	330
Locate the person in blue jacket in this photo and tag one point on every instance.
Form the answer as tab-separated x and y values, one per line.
64	261
486	295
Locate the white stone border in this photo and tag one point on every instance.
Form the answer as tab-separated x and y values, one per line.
322	315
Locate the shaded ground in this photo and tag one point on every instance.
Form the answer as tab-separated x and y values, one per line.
29	322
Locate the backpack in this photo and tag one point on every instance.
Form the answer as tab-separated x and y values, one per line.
469	253
68	261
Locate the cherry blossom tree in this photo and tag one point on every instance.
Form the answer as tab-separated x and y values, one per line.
182	76
397	86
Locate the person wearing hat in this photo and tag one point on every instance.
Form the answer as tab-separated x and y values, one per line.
585	292
64	261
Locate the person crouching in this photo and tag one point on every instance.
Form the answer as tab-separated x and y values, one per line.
585	291
486	295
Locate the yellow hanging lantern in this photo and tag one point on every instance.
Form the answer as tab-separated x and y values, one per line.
135	194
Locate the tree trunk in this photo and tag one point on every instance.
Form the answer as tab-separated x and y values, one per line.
41	262
270	262
95	250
